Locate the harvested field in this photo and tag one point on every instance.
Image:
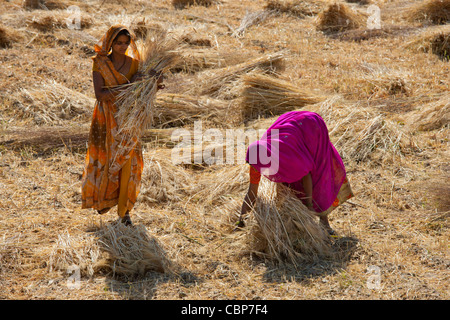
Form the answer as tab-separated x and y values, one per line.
383	93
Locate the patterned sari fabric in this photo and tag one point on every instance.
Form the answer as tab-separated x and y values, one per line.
298	144
113	166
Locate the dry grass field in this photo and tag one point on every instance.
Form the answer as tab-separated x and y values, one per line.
383	92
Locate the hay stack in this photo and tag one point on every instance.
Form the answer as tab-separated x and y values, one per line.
116	248
178	110
58	19
431	11
131	251
431	116
338	17
436	42
281	228
52	103
361	135
295	8
8	36
216	82
263	95
162	181
181	4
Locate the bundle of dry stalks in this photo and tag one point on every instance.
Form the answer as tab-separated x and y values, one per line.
432	116
282	228
194	60
219	185
338	17
214	82
295	7
47	4
136	102
131	251
178	110
82	252
437	42
58	19
263	95
163	181
360	135
181	4
250	19
52	103
8	36
115	248
431	11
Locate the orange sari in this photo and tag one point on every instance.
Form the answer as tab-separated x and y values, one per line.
113	167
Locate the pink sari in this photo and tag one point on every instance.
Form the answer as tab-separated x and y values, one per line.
298	144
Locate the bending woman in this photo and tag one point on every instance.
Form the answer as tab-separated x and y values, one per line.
296	151
113	168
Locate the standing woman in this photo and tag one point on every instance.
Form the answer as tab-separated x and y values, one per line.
296	151
113	167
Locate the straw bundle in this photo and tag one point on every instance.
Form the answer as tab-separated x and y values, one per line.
179	109
136	102
267	96
58	19
52	103
295	8
215	82
115	248
82	252
131	251
437	42
360	135
181	4
431	116
338	17
8	36
431	11
162	181
283	229
194	60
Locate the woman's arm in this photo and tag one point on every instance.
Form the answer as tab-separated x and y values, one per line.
308	187
249	202
101	94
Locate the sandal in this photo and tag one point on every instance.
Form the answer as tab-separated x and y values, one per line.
127	220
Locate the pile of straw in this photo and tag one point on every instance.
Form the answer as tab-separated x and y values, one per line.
281	228
132	251
58	19
295	8
361	135
115	248
214	82
263	95
163	181
181	4
432	116
136	102
52	103
179	109
436	42
431	11
8	36
338	17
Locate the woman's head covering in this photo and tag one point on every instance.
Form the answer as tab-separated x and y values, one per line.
103	47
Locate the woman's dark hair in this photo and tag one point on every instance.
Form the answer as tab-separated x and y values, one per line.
123	32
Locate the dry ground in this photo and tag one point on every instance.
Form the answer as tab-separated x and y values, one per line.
386	104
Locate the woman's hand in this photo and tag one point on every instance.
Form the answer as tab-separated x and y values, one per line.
137	77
